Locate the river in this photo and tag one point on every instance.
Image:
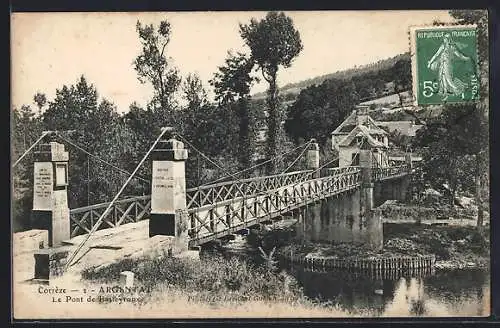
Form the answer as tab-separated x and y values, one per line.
446	293
462	293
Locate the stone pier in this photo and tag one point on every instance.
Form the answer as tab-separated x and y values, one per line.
50	192
168	194
394	189
348	217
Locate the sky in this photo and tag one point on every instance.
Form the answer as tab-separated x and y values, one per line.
49	50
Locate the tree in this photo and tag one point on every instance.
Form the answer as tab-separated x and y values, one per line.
193	92
26	129
136	119
480	18
77	108
152	66
451	146
232	85
40	100
212	131
273	42
318	110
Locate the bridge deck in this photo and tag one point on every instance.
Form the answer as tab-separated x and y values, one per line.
224	208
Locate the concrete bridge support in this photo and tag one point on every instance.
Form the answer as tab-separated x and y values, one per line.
50	192
312	158
348	217
394	189
168	192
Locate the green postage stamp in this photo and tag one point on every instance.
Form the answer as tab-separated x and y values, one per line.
444	64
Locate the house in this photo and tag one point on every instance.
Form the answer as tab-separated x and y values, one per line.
360	131
407	128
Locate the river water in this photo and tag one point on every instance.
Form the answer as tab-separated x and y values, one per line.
461	293
446	293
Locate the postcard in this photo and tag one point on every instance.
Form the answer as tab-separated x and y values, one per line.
251	164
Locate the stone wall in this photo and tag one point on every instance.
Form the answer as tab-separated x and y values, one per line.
29	241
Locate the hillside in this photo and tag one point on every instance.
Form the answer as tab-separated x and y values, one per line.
295	88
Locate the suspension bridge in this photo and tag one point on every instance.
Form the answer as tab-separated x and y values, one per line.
329	203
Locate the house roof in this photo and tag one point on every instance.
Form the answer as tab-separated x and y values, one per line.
361	131
404	127
351	122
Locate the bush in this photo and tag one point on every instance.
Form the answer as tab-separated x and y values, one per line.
216	279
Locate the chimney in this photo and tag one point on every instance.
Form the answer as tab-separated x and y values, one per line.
361	114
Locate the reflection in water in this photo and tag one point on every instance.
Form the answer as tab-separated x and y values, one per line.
446	293
454	293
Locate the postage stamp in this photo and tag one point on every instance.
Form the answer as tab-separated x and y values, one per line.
444	64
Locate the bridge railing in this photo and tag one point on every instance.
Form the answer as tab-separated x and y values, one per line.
220	192
381	173
338	170
123	211
208	197
135	209
215	220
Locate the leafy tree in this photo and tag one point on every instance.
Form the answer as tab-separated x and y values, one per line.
193	92
153	66
76	108
26	129
40	100
480	18
212	131
273	42
232	84
136	119
318	110
470	136
451	145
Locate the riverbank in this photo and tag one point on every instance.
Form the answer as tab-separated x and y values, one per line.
232	285
454	247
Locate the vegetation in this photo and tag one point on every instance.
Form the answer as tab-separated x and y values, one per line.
217	280
292	89
232	87
454	246
319	109
456	143
273	42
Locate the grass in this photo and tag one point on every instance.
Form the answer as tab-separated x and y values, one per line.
217	280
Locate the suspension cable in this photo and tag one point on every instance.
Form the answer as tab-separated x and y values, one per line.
203	155
44	133
297	159
98	158
261	192
99	221
217	165
252	167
